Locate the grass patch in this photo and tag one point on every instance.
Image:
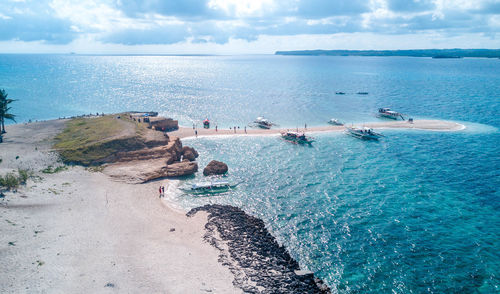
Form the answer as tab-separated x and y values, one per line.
11	181
96	169
52	170
93	141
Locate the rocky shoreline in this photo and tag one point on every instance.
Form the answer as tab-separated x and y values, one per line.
259	264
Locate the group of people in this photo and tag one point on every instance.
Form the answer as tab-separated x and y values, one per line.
216	129
162	191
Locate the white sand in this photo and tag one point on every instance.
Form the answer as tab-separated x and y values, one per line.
76	231
431	125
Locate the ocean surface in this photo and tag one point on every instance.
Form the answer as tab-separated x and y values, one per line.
416	212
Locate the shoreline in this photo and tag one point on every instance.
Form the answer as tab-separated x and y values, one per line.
80	231
424	125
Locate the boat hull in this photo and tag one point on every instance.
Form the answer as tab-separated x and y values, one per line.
391	116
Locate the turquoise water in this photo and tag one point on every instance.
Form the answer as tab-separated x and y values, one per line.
416	212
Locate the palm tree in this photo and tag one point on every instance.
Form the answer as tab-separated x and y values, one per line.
4	109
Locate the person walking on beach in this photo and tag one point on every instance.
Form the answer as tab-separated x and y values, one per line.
305	126
216	128
235	130
162	191
196	133
245	129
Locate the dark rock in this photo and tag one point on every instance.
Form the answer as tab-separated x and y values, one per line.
189	153
215	168
259	264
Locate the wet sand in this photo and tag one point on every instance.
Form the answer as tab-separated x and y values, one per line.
430	125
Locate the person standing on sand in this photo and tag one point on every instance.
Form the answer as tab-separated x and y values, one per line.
245	129
196	133
216	128
163	191
160	191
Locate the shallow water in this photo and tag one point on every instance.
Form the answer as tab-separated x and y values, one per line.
416	212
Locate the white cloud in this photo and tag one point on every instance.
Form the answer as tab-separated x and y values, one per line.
243	8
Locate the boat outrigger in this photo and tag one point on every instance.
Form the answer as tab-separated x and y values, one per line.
263	123
209	187
363	133
297	138
335	122
387	112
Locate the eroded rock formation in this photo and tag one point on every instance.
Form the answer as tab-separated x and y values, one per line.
147	164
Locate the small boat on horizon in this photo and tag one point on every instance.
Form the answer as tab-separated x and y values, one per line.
388	113
209	187
362	93
339	93
335	122
297	138
363	133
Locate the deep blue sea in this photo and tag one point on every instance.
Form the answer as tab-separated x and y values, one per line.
416	212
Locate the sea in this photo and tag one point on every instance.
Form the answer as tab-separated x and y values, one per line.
416	212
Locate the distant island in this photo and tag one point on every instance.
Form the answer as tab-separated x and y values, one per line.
434	53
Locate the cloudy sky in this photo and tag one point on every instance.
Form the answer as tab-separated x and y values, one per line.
244	26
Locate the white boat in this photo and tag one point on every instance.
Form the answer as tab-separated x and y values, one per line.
263	122
209	187
335	122
387	112
363	133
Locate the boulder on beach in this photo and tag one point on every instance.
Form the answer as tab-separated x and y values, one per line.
189	153
215	168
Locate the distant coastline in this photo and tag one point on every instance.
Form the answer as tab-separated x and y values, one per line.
434	53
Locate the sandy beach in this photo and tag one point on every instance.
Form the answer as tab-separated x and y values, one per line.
429	125
76	231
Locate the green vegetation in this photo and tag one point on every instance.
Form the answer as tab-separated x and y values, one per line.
93	141
11	181
51	170
439	53
4	109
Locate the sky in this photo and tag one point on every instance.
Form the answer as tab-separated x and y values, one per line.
244	26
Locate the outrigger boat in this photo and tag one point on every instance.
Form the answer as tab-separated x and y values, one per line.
363	133
387	112
335	122
263	123
297	138
206	123
209	187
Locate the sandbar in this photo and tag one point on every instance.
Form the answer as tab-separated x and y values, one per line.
429	125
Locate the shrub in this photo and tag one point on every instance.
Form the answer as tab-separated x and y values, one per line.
9	181
12	181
